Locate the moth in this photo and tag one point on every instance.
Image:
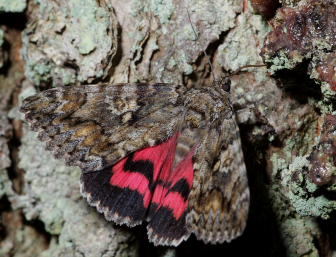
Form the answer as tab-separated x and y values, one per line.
159	153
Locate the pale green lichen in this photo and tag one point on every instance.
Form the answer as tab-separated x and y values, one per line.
182	61
5	183
314	206
329	95
291	167
278	164
303	141
281	61
75	42
163	9
92	23
68	76
214	19
298	231
322	44
327	92
332	188
298	190
5	161
311	187
298	163
237	50
325	107
300	197
220	15
12	5
39	72
298	235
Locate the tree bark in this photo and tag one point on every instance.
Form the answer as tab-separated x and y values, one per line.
66	42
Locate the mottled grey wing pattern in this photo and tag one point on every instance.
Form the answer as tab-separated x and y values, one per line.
219	199
93	126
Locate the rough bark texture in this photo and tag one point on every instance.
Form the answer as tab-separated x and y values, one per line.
286	120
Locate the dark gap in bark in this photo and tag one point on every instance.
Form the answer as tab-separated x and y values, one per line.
118	55
13	20
6	47
147	248
262	233
40	229
297	83
328	244
330	195
5	206
15	174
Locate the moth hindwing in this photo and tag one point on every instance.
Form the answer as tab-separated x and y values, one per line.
154	152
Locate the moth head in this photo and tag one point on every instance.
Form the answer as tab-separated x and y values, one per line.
223	85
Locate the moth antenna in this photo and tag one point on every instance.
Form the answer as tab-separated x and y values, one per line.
204	52
247	66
